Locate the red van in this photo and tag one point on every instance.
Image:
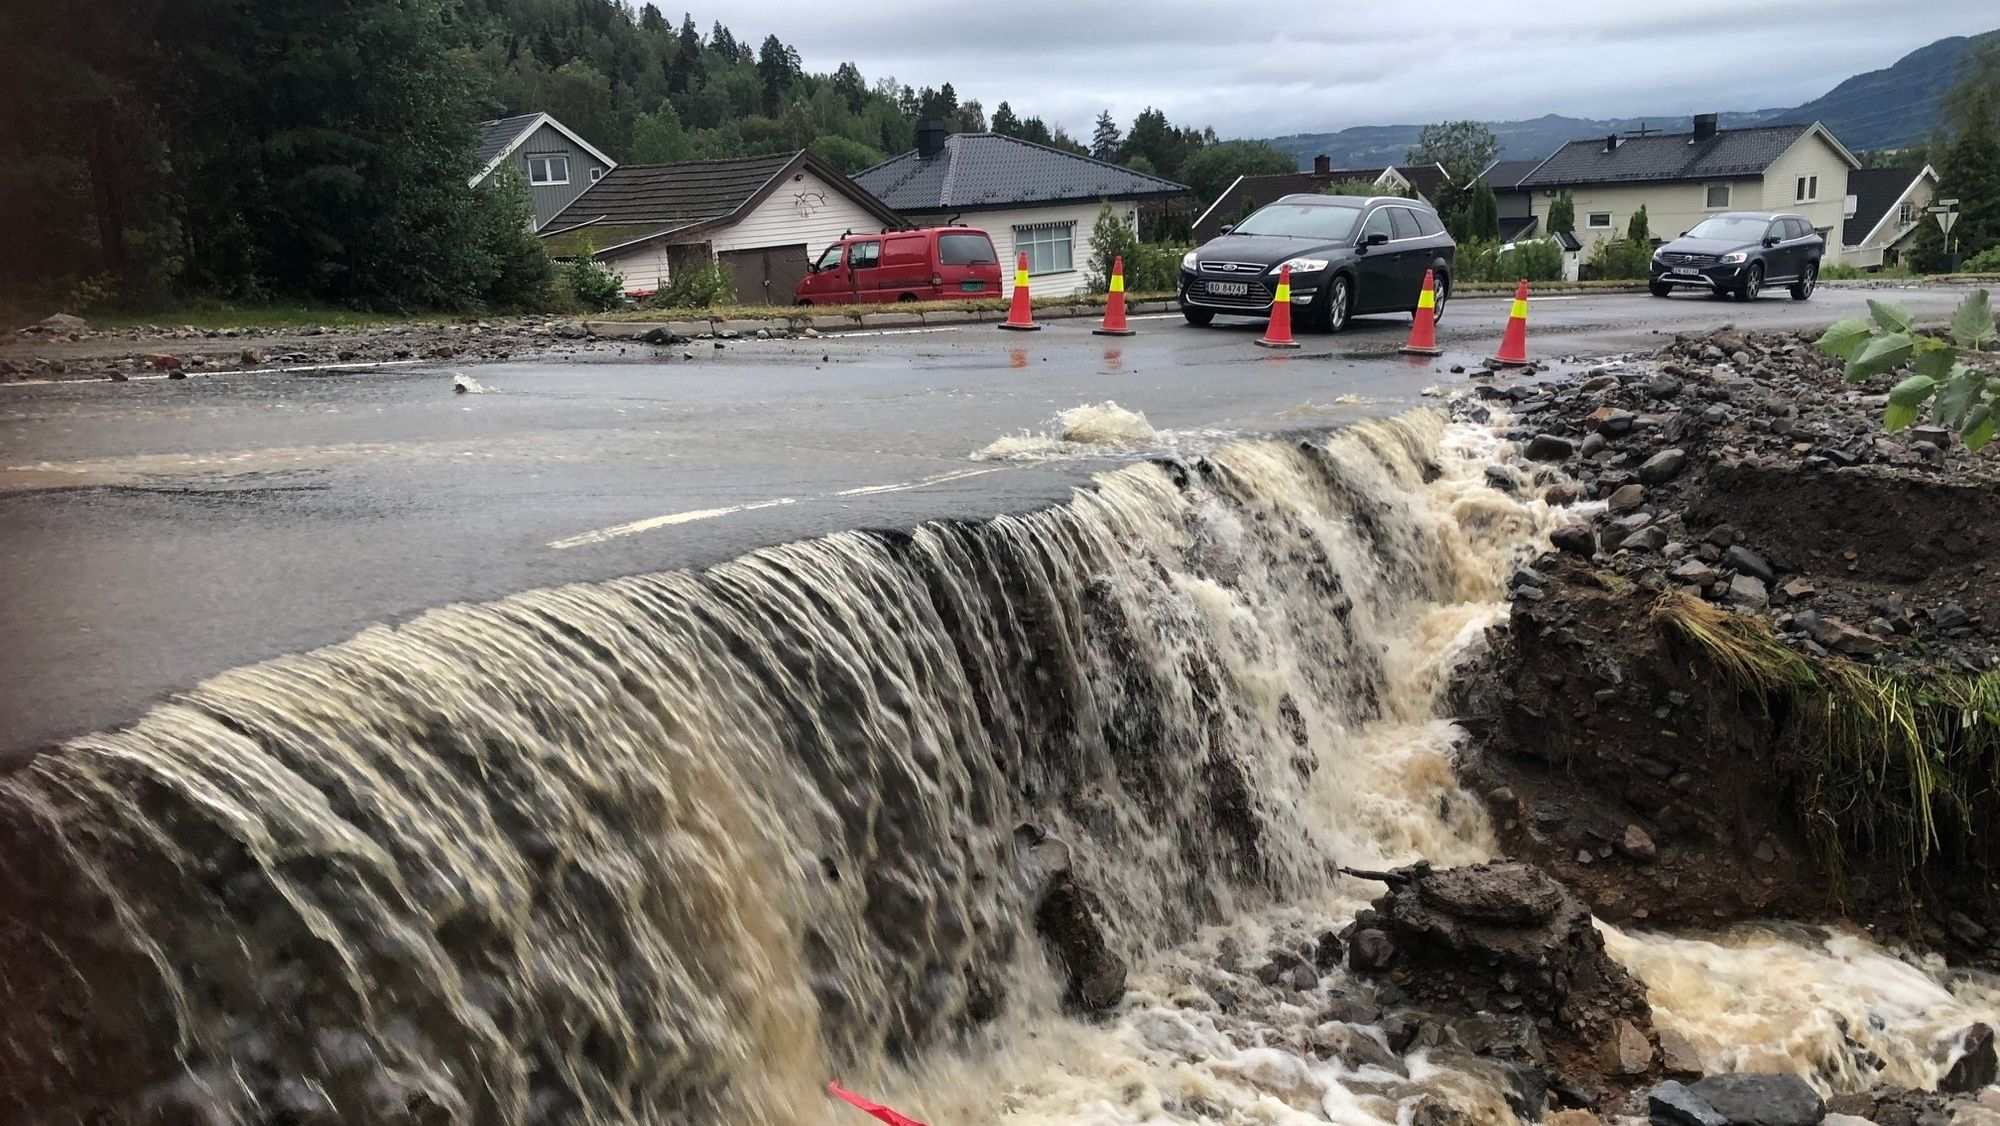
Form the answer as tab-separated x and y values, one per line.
928	264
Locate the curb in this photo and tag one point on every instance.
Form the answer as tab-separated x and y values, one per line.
835	323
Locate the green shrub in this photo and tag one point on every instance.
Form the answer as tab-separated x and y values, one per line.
1477	261
1362	188
1148	269
703	287
1483	261
594	287
1620	260
1985	262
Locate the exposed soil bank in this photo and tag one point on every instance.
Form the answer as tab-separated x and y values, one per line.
1755	679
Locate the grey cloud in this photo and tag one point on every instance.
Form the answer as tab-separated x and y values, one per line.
1248	72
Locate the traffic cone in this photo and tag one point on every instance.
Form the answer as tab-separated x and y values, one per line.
1020	316
1114	304
1423	333
1513	351
1279	333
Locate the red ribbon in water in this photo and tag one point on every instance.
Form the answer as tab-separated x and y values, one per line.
876	1109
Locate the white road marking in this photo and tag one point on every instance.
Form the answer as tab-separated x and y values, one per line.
897	331
647	525
954	475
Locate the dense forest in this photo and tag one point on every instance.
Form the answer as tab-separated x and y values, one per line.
158	150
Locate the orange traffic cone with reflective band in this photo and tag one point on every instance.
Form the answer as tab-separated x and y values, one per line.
1513	351
1114	303
1279	334
1423	333
1020	316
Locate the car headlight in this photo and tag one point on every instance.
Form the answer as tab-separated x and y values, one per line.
1304	265
1187	261
1736	258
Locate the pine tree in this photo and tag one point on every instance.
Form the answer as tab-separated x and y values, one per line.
1562	215
1004	121
1106	141
1638	231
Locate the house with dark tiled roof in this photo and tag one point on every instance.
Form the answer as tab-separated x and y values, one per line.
1032	199
1683	178
1248	193
1517	204
557	164
763	219
1888	212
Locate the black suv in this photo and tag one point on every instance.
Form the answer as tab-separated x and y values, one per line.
1349	255
1741	252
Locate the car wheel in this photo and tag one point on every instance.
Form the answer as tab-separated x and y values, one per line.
1440	291
1753	283
1337	303
1808	281
1658	290
907	299
1197	317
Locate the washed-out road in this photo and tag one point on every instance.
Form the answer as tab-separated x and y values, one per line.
156	532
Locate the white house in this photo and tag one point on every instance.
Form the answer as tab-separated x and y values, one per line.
1888	210
1683	178
1029	197
557	164
762	219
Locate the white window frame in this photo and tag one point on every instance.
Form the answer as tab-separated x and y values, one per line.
596	174
548	162
1907	213
1708	197
1590	222
1808	189
1042	242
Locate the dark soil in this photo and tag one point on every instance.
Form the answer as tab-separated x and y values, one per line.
1741	471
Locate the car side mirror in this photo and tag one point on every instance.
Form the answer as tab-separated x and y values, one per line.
1376	239
1228	227
1771	240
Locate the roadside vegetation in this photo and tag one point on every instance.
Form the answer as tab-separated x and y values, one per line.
1959	395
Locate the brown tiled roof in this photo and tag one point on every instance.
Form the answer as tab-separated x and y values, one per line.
657	193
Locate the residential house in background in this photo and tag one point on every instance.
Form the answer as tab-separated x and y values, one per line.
557	164
1888	211
1029	197
1248	193
1683	178
1517	204
763	219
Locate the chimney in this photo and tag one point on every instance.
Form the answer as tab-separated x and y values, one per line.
930	139
1611	143
1704	126
1321	165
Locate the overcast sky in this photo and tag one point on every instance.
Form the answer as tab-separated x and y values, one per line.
1334	63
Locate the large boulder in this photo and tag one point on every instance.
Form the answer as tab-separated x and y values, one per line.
1067	918
1977	1065
1761	1100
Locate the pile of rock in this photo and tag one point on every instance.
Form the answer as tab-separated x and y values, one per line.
1742	468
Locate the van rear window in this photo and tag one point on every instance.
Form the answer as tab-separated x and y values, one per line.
966	250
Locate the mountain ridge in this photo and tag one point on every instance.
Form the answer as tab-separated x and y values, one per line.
1892	107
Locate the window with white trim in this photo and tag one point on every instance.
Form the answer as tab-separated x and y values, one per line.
1598	221
596	174
1049	246
548	169
1718	197
1906	214
1808	189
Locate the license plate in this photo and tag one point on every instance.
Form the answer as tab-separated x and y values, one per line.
1686	272
971	287
1229	289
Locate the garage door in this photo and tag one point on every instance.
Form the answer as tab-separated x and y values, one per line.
767	275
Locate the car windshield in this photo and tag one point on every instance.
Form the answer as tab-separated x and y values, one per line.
1322	221
1735	228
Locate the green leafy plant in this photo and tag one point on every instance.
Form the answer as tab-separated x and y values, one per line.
1962	397
702	287
1639	230
1562	215
594	287
1620	259
1987	262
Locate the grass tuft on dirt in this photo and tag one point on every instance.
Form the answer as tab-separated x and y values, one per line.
1894	772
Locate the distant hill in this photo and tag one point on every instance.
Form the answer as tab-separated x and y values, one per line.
1882	109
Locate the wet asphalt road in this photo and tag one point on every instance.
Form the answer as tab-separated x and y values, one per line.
158	532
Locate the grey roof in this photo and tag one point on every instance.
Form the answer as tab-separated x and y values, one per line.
1518	228
979	170
1730	154
1875	191
635	202
1504	175
495	136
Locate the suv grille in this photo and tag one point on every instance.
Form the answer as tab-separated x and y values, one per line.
1688	259
1238	268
